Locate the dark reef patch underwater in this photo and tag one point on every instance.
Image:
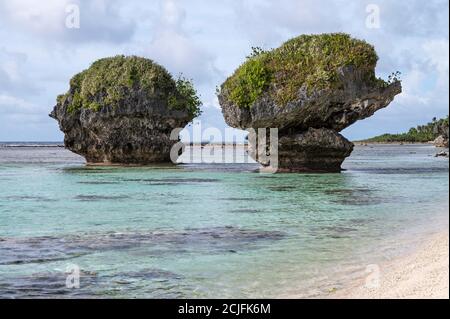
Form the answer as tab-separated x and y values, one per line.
40	250
209	240
91	284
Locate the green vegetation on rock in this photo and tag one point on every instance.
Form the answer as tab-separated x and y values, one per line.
250	82
109	81
311	60
419	134
185	98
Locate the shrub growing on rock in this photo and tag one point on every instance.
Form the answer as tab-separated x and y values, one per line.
310	60
109	81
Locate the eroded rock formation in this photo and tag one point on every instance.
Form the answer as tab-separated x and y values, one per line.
311	88
122	110
441	141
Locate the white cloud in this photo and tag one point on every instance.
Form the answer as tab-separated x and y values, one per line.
206	41
17	112
11	104
100	20
13	74
173	47
36	16
437	53
269	22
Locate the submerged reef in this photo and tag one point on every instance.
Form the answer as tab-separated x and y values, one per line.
310	88
122	110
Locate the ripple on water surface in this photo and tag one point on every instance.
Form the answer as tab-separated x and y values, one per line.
161	231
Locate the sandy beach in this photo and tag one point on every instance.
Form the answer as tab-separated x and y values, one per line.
423	274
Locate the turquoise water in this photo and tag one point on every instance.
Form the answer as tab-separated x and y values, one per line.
213	230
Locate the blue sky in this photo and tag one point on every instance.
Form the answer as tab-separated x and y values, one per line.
207	41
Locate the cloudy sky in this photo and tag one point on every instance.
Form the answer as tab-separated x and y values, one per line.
207	40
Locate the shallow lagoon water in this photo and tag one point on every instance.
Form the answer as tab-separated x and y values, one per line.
211	230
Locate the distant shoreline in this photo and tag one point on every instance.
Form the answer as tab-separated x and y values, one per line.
30	144
61	144
363	143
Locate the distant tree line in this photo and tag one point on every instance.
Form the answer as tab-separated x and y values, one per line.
419	134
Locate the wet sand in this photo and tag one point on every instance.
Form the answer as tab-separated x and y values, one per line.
423	274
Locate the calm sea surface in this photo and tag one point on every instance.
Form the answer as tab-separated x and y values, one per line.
211	230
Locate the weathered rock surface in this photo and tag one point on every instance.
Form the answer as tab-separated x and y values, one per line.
309	124
441	141
138	132
132	126
334	109
315	150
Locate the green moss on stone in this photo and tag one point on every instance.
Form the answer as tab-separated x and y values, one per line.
311	60
109	81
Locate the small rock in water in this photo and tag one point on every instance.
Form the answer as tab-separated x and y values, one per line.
442	154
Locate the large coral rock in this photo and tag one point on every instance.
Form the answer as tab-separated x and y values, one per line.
319	150
309	112
122	111
315	150
132	134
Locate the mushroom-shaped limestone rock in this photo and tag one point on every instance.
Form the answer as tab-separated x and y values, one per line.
310	88
122	110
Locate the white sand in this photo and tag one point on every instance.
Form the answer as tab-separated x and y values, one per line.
421	275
